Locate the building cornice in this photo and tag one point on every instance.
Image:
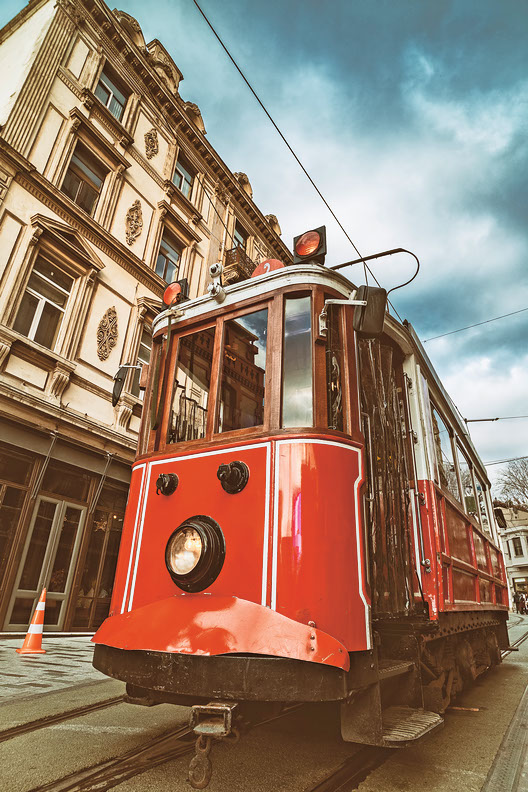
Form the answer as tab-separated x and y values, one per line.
138	66
49	416
173	110
183	229
105	117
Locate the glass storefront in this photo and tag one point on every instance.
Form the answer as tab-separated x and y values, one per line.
104	535
15	472
57	539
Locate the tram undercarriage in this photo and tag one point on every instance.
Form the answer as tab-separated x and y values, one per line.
414	672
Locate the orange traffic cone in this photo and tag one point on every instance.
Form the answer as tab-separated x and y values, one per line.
33	640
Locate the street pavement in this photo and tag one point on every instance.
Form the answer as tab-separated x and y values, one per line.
67	662
286	755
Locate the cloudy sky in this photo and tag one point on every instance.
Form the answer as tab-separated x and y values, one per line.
411	116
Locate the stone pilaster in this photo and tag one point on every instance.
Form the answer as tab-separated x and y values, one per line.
6	341
22	124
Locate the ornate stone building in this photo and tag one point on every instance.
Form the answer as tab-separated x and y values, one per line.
109	189
513	523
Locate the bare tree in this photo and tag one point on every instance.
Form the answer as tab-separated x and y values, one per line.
514	481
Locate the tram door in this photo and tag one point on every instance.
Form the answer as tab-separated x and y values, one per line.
388	498
48	562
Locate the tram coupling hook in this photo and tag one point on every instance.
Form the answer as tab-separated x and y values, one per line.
208	721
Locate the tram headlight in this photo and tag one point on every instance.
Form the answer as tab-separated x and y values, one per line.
195	553
183	551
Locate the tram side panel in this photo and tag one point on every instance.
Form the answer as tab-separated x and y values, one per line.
124	570
319	559
467	571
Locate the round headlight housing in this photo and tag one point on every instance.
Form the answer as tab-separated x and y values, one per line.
184	550
195	553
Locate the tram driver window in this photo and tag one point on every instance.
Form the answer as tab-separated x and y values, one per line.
334	369
444	455
243	372
188	415
297	363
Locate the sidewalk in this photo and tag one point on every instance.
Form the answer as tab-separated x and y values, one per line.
67	663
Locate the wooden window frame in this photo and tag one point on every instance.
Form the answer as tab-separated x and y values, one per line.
156	441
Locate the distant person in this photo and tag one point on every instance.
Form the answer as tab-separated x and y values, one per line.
523	604
517	601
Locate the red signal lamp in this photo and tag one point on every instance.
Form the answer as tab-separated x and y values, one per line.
172	294
269	265
310	246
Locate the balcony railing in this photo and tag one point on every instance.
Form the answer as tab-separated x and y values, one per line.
237	266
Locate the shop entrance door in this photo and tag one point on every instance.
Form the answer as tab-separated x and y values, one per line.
48	562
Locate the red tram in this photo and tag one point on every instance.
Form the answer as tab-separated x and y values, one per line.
308	519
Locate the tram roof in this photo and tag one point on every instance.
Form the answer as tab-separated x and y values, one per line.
406	337
307	274
261	286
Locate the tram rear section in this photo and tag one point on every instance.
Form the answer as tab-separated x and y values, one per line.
294	532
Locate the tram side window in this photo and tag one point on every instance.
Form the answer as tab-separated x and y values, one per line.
481	500
444	455
297	363
188	415
242	387
334	370
466	480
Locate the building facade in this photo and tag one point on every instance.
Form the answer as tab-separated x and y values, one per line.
513	524
109	190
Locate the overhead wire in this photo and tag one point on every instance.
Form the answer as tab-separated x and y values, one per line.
312	182
361	258
502	418
477	324
503	461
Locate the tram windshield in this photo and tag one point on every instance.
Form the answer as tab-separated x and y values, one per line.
242	386
188	414
219	378
297	363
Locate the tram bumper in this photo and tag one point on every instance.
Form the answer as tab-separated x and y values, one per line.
207	646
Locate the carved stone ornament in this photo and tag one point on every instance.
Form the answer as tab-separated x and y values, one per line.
107	334
193	111
243	180
151	143
37	233
59	381
163	64
222	194
274	223
132	27
134	222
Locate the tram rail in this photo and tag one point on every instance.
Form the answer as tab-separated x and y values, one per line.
353	771
163	748
107	774
514	647
356	768
52	720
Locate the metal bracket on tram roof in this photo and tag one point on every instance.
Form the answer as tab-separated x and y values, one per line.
215	289
323	327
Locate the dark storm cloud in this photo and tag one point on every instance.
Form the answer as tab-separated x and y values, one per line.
362	43
504	339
